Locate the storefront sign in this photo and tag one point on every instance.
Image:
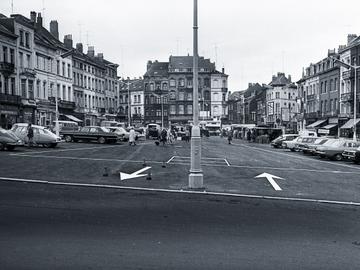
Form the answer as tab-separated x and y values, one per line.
323	131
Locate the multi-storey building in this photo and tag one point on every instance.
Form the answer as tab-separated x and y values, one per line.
169	91
319	96
281	102
236	107
9	94
219	95
135	89
157	94
349	54
252	95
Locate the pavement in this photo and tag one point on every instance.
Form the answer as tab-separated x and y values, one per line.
228	169
69	227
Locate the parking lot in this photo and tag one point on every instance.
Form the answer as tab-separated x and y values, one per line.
229	169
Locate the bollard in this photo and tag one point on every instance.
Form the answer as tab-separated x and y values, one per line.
106	171
148	177
144	163
163	164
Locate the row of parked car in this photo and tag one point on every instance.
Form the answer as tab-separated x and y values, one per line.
324	147
17	136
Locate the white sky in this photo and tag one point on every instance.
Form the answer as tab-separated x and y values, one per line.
254	39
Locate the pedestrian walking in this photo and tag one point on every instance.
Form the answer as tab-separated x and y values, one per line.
132	136
229	137
187	135
248	135
30	135
163	136
170	136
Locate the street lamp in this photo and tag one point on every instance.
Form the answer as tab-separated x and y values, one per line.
196	174
159	93
355	78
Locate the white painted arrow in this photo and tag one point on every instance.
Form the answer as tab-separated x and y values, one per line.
124	176
271	180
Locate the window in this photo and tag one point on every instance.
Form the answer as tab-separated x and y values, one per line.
181	82
44	89
12	60
63	92
31	89
28	60
181	95
189	96
189	82
277	95
181	109
69	93
68	70
58	67
189	109
38	89
158	112
23	88
206	82
21	59
13	86
172	82
21	34
27	40
63	69
5	58
172	109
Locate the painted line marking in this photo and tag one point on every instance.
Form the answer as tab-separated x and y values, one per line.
227	162
184	191
182	162
271	180
66	150
210	158
170	159
295	156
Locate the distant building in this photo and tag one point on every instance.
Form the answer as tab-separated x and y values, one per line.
236	107
281	104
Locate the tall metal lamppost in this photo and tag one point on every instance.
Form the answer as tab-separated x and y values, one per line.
196	174
355	67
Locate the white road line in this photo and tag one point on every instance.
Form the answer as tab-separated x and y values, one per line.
348	203
296	156
226	161
170	159
210	158
67	150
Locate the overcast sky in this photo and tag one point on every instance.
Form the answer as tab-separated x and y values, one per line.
252	39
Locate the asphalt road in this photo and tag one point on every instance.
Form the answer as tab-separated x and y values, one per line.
65	227
227	168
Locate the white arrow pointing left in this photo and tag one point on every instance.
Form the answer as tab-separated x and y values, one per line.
271	180
124	176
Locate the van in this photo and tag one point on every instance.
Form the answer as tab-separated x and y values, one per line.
112	124
66	126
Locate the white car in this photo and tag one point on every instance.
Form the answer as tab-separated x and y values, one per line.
121	132
292	145
42	136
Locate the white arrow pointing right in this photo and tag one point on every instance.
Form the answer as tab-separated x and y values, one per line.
271	180
124	176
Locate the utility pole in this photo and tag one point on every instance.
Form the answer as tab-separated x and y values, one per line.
196	174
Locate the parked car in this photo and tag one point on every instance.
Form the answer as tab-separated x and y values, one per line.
91	133
277	143
8	140
335	148
291	145
352	154
308	148
121	132
42	135
304	142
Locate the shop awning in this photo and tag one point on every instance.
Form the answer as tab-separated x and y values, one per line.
317	123
350	123
73	118
329	126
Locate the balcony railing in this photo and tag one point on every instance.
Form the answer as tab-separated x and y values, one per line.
7	68
28	72
10	99
348	74
346	97
310	97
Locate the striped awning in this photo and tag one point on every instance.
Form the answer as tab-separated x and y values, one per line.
350	123
317	123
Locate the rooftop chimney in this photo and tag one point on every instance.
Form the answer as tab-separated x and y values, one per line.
54	29
223	70
33	16
68	42
79	47
149	63
350	38
100	56
289	78
39	21
91	51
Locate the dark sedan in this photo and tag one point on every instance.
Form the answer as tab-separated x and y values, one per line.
8	140
91	133
352	154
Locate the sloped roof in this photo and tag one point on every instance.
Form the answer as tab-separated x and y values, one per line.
5	30
187	62
253	89
134	85
236	95
279	80
157	69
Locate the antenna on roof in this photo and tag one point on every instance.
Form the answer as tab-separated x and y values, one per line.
79	31
216	55
283	60
12	6
87	38
177	46
43	10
